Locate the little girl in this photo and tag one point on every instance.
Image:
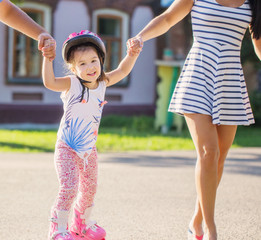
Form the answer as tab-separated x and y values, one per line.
75	151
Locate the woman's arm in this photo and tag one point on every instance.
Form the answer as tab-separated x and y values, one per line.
161	24
14	17
257	46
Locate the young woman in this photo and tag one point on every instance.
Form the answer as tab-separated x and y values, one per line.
211	92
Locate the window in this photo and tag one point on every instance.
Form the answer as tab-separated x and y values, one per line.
112	27
24	58
27	59
110	31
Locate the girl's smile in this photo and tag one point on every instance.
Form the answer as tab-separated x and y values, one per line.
91	74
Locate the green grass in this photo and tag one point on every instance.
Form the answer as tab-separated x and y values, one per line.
248	137
27	141
118	140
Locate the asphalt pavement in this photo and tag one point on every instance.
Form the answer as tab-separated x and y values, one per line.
141	195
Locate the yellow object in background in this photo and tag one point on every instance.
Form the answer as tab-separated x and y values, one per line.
168	72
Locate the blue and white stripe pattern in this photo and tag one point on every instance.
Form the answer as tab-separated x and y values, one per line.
212	80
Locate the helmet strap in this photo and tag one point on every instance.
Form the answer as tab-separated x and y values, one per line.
82	81
83	88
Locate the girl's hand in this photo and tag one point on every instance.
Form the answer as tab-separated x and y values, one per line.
48	47
134	46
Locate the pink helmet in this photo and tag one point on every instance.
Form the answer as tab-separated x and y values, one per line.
83	37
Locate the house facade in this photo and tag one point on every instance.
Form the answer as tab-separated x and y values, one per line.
23	98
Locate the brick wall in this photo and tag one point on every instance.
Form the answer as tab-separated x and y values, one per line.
51	3
122	5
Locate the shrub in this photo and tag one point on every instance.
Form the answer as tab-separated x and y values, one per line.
135	123
255	99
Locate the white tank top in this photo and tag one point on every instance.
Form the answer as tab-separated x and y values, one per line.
80	122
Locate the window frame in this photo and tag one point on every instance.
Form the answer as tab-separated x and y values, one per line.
111	39
45	12
124	32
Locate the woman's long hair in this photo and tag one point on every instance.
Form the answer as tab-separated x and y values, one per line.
255	25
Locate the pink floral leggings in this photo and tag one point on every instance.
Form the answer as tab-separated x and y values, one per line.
73	180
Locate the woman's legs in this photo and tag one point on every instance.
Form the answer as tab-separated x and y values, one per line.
205	138
212	143
226	135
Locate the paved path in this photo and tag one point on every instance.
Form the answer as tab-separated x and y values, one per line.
141	195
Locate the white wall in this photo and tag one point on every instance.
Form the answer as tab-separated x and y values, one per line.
4	95
142	84
70	16
6	91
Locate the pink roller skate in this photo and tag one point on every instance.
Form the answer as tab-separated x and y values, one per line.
59	226
84	229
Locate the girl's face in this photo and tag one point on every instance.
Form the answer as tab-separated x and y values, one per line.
87	65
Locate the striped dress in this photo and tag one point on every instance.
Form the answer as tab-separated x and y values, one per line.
212	80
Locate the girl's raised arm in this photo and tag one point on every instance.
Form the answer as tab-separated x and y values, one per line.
124	67
50	81
122	70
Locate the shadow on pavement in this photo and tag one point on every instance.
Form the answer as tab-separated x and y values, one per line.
237	162
24	146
